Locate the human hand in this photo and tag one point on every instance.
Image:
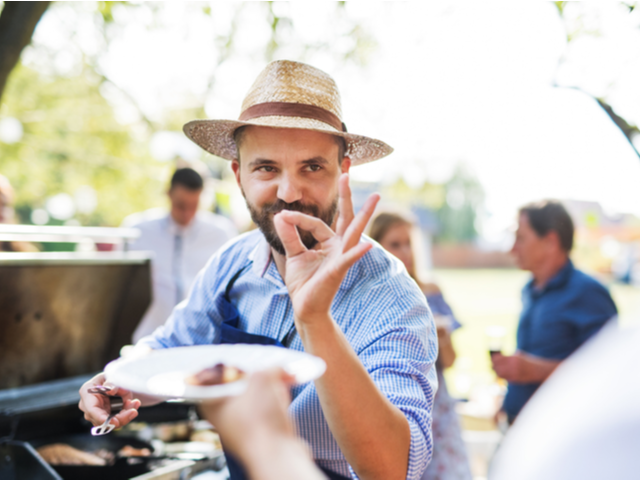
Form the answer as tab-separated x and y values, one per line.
250	421
522	368
314	276
96	408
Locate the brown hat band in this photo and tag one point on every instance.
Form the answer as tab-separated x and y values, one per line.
284	109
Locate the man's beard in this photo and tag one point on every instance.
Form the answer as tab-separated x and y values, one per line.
263	218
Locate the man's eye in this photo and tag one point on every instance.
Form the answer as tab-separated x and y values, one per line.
314	168
266	168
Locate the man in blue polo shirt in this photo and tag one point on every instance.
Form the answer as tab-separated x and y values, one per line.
562	306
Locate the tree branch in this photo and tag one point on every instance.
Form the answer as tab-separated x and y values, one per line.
18	20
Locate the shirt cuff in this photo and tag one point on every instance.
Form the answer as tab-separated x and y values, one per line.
420	451
151	342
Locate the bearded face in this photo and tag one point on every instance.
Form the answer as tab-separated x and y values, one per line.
288	169
263	218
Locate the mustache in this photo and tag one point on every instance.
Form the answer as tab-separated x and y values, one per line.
296	206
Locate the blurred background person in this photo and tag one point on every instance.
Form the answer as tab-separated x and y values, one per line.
182	240
396	233
562	306
7	216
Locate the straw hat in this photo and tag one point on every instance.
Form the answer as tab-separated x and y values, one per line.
287	95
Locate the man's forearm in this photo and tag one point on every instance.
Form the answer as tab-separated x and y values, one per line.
372	433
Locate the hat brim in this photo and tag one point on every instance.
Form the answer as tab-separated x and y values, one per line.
216	136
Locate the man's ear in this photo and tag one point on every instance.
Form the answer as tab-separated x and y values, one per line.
346	164
235	166
553	240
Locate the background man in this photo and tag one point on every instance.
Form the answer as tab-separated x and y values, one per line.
182	240
562	306
308	280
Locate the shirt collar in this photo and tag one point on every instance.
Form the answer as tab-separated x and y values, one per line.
176	229
260	256
558	280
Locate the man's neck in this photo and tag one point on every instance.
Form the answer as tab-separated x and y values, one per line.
549	269
178	224
281	262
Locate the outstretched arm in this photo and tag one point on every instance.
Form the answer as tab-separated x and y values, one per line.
523	368
255	427
372	433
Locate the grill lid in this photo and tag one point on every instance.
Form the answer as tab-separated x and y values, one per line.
64	316
43	396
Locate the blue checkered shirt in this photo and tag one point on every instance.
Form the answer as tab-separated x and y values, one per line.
380	309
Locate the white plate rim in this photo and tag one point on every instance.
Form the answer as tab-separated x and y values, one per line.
303	366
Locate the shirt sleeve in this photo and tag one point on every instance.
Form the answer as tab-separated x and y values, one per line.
595	308
195	320
399	352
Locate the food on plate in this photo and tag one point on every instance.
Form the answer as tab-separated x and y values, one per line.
129	451
63	454
217	375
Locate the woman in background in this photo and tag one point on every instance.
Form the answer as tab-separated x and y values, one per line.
394	233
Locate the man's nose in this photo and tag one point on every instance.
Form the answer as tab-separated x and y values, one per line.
289	190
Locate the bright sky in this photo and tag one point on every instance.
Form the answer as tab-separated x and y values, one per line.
469	82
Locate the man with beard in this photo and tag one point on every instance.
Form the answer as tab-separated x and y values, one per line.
308	280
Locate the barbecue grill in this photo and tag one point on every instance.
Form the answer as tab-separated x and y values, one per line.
63	316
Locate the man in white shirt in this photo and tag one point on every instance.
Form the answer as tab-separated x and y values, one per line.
182	241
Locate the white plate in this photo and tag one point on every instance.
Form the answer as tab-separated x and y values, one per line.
162	373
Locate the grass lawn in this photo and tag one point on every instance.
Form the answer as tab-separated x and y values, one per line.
482	298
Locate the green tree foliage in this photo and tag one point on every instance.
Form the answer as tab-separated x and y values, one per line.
459	213
72	139
457	204
17	22
72	134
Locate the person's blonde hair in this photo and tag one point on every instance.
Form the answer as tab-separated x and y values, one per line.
384	221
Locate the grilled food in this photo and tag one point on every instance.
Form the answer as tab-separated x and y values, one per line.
217	375
63	454
129	451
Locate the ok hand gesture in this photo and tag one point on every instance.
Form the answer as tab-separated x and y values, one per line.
314	276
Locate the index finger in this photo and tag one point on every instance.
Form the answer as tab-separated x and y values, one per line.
357	226
345	205
289	236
